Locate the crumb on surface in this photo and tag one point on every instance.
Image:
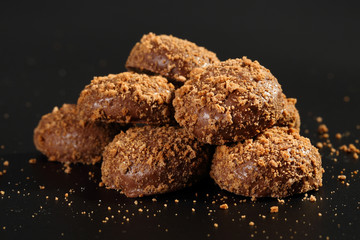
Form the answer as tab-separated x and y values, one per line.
251	223
323	129
274	209
32	160
224	206
312	198
6	163
342	177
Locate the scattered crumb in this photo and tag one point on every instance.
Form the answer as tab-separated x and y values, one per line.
338	136
67	168
109	208
281	201
224	206
176	200
319	119
101	184
243	216
32	160
140	210
346	99
56	198
312	198
342	177
2	193
251	223
154	199
6	163
136	202
66	195
193	209
319	145
323	129
274	209
42	187
320	214
216	225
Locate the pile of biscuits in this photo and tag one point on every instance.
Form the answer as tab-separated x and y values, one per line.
179	114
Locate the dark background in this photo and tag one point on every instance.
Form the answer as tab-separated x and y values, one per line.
49	50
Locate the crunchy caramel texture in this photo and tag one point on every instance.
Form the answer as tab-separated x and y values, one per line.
277	163
127	98
151	160
62	136
229	101
290	116
168	56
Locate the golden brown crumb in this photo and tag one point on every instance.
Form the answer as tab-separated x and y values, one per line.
101	184
251	223
224	206
355	156
109	208
319	119
243	216
216	225
320	214
338	136
2	193
66	195
42	187
56	198
193	209
282	201
323	129
32	160
176	200
274	209
312	198
319	145
140	210
342	177
6	163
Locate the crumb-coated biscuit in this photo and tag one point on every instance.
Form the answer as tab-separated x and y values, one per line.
62	136
229	101
151	160
168	56
290	116
128	98
277	163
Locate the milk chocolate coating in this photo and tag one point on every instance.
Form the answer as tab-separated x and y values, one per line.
168	56
277	163
62	136
151	160
127	98
229	101
290	116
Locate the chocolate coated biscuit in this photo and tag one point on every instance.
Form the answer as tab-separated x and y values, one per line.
229	101
62	136
290	116
150	160
168	56
277	163
127	98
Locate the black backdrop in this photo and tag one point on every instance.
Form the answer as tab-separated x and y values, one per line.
49	50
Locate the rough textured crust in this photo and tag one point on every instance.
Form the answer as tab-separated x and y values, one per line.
127	98
168	56
151	160
63	137
290	116
229	101
277	163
